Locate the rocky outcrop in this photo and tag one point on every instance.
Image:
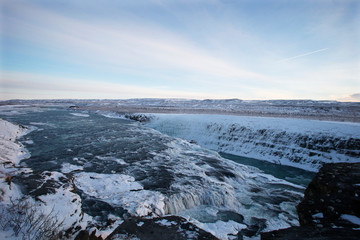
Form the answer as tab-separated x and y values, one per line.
330	208
334	191
138	117
170	227
55	194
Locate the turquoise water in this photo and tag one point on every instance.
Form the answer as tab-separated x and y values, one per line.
291	174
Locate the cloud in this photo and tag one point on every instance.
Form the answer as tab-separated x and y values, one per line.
17	85
302	55
123	47
355	96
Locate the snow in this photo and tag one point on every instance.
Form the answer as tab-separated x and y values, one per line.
105	185
67	168
165	222
294	142
351	218
112	115
11	151
63	204
80	114
318	215
221	229
121	190
109	158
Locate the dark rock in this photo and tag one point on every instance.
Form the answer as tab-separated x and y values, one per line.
312	233
85	235
333	193
138	117
255	227
230	215
40	183
170	227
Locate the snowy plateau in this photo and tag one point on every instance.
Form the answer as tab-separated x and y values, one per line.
87	165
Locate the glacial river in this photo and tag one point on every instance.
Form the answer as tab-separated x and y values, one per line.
169	175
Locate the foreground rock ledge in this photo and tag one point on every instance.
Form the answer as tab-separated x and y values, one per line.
169	227
330	208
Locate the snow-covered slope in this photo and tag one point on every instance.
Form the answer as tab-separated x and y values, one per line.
10	150
305	144
56	203
310	109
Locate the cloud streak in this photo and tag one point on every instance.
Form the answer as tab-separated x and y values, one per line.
193	50
303	55
47	87
134	46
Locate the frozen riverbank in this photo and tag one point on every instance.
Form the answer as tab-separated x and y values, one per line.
301	143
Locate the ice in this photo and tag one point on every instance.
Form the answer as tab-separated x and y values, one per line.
318	215
301	143
109	158
112	115
119	190
220	229
80	114
29	142
67	168
105	185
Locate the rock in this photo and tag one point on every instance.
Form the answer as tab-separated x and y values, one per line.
55	195
312	233
85	235
334	191
330	208
42	183
170	227
138	117
256	226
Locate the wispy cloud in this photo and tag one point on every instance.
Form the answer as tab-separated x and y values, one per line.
189	49
303	55
45	86
134	46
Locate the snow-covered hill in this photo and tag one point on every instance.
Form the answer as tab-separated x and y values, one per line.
323	110
301	143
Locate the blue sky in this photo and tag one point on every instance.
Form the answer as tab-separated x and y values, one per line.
247	49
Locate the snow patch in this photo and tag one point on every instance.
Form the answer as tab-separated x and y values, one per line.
318	215
118	160
351	218
165	222
67	168
80	114
220	229
121	190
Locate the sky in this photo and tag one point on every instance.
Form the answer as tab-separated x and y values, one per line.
198	49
